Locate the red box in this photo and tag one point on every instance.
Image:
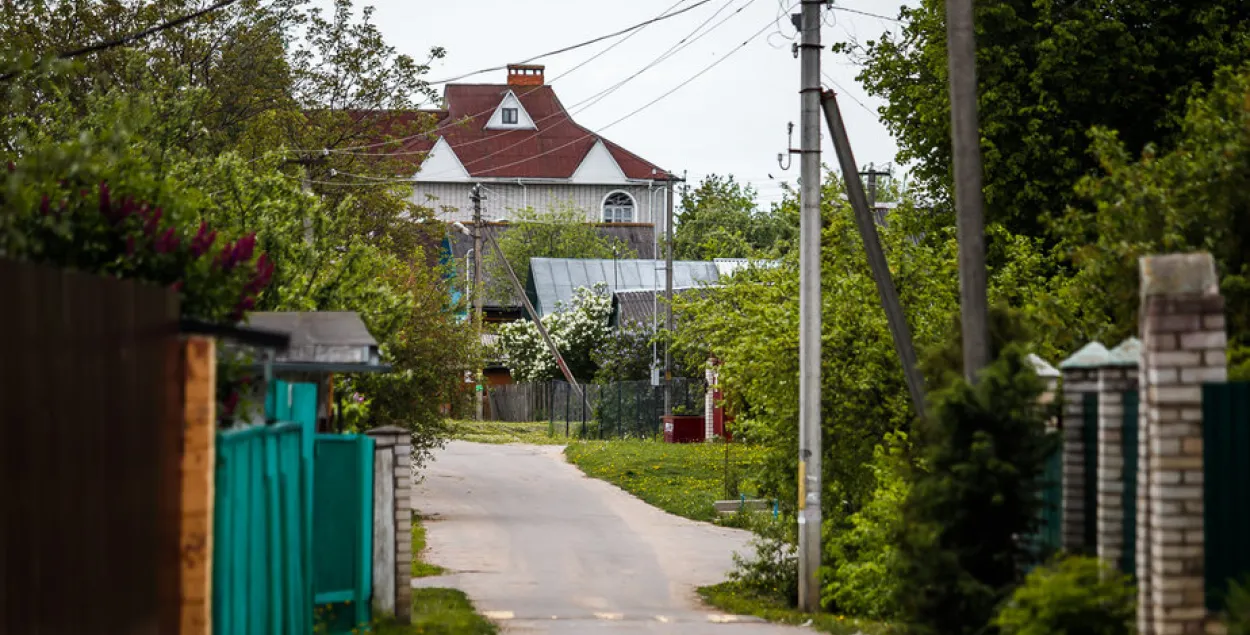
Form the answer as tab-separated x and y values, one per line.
684	428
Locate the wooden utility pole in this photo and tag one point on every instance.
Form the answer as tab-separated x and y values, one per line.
966	147
479	393
809	467
865	222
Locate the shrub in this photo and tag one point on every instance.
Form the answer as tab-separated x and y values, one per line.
772	570
863	568
985	447
1074	595
1237	606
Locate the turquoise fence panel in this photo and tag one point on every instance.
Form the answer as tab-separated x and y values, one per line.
343	530
1128	562
262	571
1226	492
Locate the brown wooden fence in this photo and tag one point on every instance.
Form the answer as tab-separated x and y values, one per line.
90	400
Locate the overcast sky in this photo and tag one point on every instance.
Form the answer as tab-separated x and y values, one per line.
729	120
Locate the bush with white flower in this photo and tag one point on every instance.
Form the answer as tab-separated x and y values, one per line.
577	330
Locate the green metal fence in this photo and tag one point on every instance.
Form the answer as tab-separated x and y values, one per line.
261	556
1226	463
343	530
1128	561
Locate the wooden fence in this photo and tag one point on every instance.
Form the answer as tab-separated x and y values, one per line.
91	391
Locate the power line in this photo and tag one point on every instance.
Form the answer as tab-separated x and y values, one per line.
848	94
136	36
867	13
578	45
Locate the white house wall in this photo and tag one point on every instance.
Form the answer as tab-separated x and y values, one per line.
451	201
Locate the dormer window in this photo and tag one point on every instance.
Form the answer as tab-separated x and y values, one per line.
509	116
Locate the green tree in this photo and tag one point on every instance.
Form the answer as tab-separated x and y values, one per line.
578	330
1188	199
721	219
1048	71
560	232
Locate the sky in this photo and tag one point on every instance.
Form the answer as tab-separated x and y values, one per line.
731	119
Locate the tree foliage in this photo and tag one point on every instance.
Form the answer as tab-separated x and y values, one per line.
578	330
1047	72
721	219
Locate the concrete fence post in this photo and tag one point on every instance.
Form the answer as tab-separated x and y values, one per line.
1080	378
1183	342
1117	375
392	522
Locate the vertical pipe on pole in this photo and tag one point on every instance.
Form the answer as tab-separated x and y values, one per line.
966	148
809	311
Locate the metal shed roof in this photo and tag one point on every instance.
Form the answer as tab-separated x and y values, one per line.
553	281
641	307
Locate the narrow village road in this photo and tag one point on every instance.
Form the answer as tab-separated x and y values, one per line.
541	548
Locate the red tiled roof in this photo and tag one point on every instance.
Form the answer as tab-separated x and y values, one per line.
554	150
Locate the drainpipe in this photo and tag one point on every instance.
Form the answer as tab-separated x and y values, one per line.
525	194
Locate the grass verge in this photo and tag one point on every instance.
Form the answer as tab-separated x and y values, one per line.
730	598
680	478
420	568
439	612
534	432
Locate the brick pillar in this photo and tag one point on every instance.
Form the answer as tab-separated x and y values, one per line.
1080	377
1182	332
709	401
393	446
1118	375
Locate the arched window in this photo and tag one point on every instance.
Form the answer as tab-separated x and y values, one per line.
618	207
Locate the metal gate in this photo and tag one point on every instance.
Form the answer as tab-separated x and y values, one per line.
343	530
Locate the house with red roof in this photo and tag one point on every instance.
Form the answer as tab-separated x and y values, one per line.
518	141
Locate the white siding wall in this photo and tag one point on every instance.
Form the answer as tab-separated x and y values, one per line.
451	201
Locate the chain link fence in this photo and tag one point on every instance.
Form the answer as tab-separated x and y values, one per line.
627	409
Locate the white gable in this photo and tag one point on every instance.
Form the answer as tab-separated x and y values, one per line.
442	164
599	167
523	120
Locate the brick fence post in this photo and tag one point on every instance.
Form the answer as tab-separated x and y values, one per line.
1080	378
1117	375
1182	332
393	506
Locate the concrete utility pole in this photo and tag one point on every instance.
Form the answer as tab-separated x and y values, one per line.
873	174
966	145
479	394
809	309
864	216
668	293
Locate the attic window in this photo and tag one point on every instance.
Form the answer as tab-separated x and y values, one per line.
509	115
618	207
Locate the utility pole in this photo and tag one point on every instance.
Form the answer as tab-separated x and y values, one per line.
966	145
668	293
809	310
478	299
897	321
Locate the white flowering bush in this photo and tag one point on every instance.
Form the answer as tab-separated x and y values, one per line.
577	330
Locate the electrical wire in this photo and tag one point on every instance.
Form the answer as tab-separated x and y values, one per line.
848	94
576	46
866	13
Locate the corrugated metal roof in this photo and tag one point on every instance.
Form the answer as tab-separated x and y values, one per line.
638	307
552	281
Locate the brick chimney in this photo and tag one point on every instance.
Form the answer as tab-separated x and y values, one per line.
525	74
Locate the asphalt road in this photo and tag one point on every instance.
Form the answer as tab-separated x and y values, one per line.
541	548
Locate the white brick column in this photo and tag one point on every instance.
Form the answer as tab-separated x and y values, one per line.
1116	377
1080	377
1182	330
709	399
393	479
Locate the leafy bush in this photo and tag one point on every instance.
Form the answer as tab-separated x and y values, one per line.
772	569
577	330
985	448
1237	607
1074	595
863	565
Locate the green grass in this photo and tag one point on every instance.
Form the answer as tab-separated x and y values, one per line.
439	612
680	478
534	432
730	598
420	568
